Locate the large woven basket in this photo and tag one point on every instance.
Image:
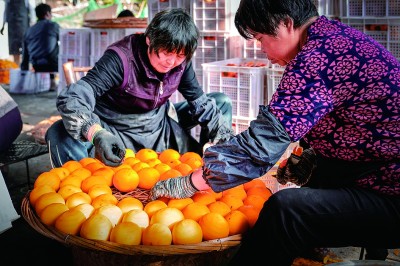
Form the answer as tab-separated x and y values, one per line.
95	252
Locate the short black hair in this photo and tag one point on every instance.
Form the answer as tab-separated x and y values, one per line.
125	13
41	10
264	16
173	30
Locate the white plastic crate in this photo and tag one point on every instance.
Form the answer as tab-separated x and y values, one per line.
274	76
384	30
370	8
100	39
252	49
215	15
245	85
240	124
155	6
75	42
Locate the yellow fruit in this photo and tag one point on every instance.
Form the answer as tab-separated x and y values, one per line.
39	191
96	227
139	166
157	234
195	211
105	172
112	212
168	216
153	162
77	198
126	180
68	190
51	212
188	155
48	178
131	161
86	208
61	172
171	173
214	226
72	165
104	199
99	189
148	177
71	180
238	223
139	217
83	173
126	233
47	199
162	168
154	206
130	203
70	222
87	160
146	154
169	155
186	231
219	207
129	153
91	181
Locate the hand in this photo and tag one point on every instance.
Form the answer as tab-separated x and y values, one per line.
177	188
108	148
1	31
297	168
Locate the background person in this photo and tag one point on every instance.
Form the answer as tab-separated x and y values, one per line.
339	95
41	46
123	102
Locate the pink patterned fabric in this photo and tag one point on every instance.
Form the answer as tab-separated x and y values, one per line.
341	95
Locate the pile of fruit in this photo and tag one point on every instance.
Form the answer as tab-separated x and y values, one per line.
5	66
78	199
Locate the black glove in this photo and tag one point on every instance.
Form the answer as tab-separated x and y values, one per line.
177	188
108	148
297	169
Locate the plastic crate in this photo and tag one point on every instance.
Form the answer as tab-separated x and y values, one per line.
240	124
370	8
75	42
214	15
100	39
155	6
252	49
274	76
243	84
384	30
328	8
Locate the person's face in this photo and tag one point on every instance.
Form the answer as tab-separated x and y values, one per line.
283	47
165	61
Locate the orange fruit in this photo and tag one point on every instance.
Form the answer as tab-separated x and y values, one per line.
61	172
203	197
106	172
253	183
92	167
104	199
232	201
140	165
39	191
146	154
153	206
217	195
71	180
126	233
87	160
96	227
179	203
83	173
157	234
261	191
251	213
162	168
184	168
99	189
86	208
169	155
48	178
129	153
214	226
219	207
130	203
153	162
238	223
112	212
91	181
139	217
126	180
255	200
186	231
70	222
122	166
131	161
168	216
189	155
173	163
47	199
68	190
50	213
148	177
236	191
78	198
72	165
194	163
195	211
171	173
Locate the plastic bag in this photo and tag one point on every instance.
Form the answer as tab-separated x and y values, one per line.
28	82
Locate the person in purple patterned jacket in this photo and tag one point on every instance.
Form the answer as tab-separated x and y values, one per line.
339	97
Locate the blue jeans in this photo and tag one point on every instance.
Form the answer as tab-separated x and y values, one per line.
64	148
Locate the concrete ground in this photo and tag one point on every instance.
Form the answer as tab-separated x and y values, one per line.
30	247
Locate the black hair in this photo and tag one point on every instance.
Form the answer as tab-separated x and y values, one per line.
125	13
173	30
41	10
264	16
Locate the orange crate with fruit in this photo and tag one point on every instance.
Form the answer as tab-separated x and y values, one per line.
5	66
101	211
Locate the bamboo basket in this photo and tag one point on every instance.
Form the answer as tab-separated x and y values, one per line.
96	252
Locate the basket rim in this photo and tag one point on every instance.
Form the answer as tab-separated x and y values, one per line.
33	220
